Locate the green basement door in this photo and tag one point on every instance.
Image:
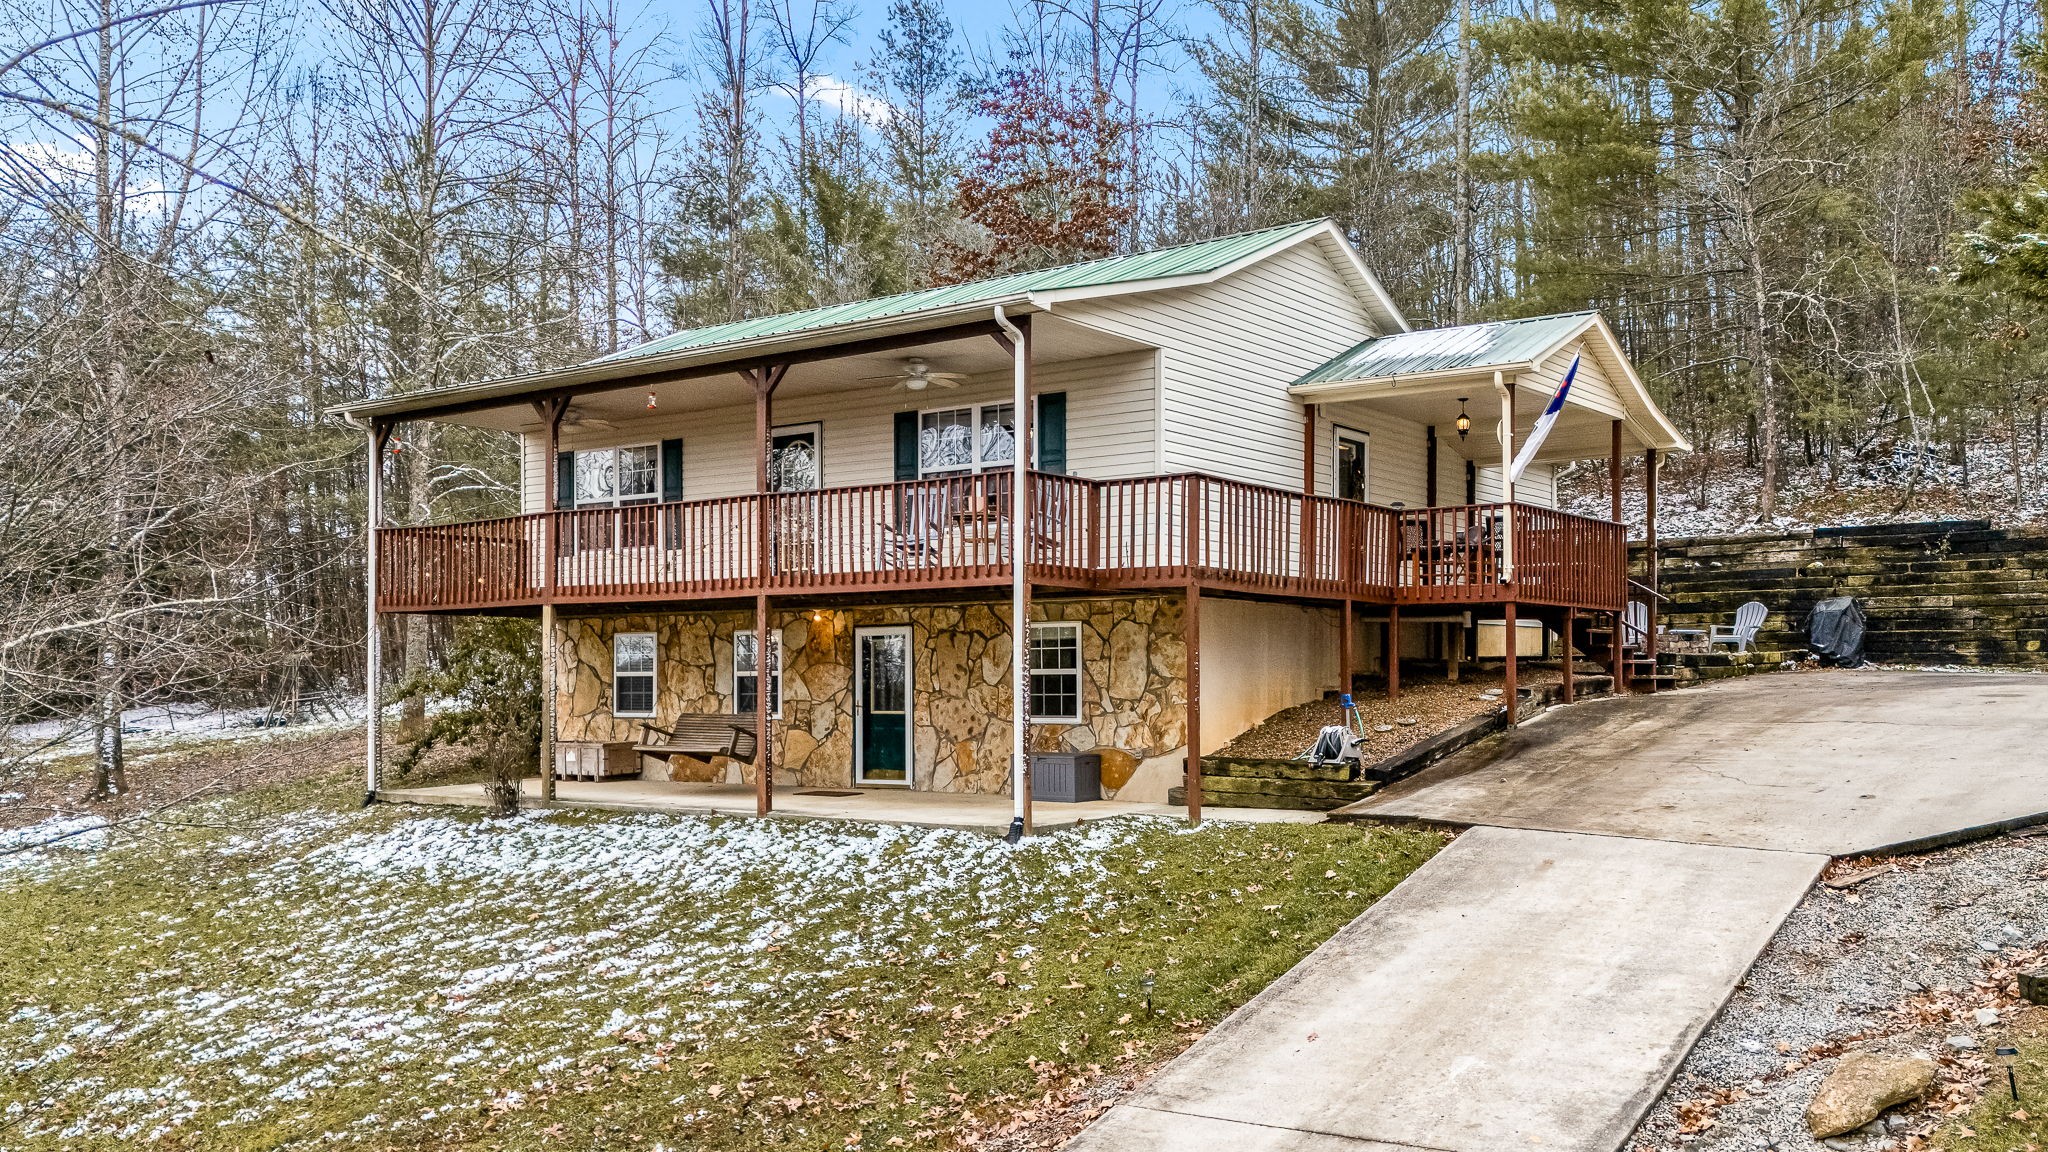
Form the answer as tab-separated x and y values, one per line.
881	705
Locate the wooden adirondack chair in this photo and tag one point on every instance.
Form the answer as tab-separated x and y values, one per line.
1742	633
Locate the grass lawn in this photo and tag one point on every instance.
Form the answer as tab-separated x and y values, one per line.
307	972
1999	1123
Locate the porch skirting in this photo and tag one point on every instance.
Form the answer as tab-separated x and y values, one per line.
1131	679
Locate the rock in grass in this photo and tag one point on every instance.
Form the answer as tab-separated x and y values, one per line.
1861	1087
1963	1043
2034	986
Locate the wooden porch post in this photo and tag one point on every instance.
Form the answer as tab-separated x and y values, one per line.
1614	474
1344	655
1191	634
373	635
1511	645
1308	490
1650	555
1429	466
551	411
764	379
1571	621
1393	652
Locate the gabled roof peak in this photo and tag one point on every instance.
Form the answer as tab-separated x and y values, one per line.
1191	259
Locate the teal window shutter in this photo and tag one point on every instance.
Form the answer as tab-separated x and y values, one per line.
671	471
1052	432
906	445
565	479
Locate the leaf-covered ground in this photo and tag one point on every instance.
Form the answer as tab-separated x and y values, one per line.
304	973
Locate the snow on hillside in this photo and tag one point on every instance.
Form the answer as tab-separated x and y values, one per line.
1716	494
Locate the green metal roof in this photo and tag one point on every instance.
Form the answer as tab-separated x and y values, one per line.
1469	346
1165	263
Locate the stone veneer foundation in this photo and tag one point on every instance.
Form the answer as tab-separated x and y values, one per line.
1132	664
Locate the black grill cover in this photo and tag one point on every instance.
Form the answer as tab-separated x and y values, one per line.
1834	631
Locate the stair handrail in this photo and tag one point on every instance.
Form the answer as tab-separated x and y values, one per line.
1646	589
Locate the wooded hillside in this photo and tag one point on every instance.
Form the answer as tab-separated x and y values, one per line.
1813	222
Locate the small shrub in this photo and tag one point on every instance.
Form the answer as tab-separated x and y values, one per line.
490	686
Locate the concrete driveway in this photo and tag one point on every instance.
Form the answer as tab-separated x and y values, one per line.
1537	983
1520	990
1831	762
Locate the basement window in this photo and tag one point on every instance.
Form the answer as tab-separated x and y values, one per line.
633	674
745	681
1056	673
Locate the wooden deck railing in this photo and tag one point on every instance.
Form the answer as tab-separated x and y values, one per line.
957	532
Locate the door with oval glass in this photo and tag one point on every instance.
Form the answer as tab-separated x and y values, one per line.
881	705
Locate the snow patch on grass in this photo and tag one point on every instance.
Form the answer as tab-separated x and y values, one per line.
367	943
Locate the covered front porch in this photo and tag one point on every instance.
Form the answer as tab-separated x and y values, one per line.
965	811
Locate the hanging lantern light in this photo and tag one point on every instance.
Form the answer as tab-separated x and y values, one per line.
1464	419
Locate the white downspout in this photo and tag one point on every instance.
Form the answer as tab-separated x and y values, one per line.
373	659
1507	484
1020	538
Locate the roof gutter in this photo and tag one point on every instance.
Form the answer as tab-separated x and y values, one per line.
620	372
1396	382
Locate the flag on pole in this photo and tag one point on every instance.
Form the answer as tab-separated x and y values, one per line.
1543	423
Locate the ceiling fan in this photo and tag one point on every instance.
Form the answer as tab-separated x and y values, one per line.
577	418
917	375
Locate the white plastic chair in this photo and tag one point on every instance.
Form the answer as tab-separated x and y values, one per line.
1742	633
1635	625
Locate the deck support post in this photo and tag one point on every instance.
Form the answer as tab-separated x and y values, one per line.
551	410
764	742
1615	654
1344	655
1650	558
1511	645
1393	652
1015	337
548	672
373	632
765	379
1571	622
1191	635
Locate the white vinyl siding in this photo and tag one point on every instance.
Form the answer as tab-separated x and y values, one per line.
1109	428
1538	485
1231	350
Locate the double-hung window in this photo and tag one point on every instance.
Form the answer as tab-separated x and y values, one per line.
970	438
614	476
1056	673
745	678
620	477
633	660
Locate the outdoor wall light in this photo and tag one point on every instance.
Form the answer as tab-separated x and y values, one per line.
1464	419
2010	1057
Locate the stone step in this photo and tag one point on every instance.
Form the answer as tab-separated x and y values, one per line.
1218	797
1338	792
1262	768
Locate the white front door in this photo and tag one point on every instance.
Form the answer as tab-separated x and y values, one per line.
881	705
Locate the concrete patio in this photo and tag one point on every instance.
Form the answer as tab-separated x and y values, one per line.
974	813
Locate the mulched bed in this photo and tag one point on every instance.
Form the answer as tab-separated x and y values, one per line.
1430	705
